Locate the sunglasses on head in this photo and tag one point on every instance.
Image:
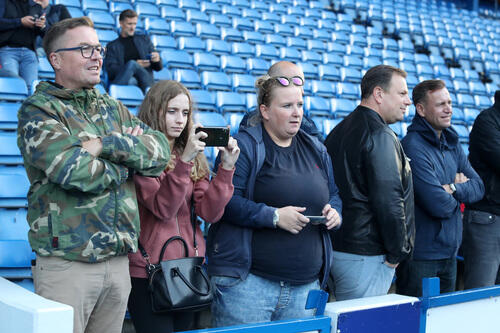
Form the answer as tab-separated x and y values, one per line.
285	81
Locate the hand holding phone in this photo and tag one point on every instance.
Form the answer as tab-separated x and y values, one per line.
316	220
217	136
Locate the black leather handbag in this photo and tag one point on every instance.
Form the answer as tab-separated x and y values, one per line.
178	284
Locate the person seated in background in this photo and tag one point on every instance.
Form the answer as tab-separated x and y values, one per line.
266	254
165	202
131	58
53	14
21	21
287	69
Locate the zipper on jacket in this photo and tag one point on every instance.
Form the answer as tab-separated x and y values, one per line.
179	231
115	192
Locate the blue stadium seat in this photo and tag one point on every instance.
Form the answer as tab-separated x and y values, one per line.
257	66
458	116
284	30
353	62
323	88
462	131
268	52
69	3
303	32
259	5
105	36
270	17
242	49
180	28
9	152
350	74
163	3
275	40
117	7
460	86
482	102
231	35
321	35
477	88
129	95
315	105
251	101
204	100
190	44
15	251
329	73
390	44
390	54
243	23
296	42
310	71
243	83
156	25
313	13
329	125
163	42
457	73
465	101
13	89
332	59
409	67
307	22
210	7
102	20
326	25
358	40
176	59
250	13
188	4
45	70
163	74
75	12
195	16
146	9
188	77
207	31
230	102
348	90
234	120
354	50
411	81
210	119
374	42
205	61
278	8
470	115
231	11
471	75
215	81
94	5
290	54
264	27
220	20
232	64
441	71
341	107
218	47
8	115
172	14
253	37
312	57
15	186
425	69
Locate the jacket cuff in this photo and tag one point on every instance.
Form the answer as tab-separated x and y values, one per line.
392	259
182	169
225	175
107	146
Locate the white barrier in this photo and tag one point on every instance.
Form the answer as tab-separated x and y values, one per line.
26	312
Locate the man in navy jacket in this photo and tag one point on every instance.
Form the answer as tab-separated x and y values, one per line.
442	179
131	58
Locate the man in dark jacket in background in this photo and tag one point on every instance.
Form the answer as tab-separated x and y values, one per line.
21	21
481	244
442	178
131	58
53	14
375	185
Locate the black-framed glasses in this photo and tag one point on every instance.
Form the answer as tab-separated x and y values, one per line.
86	50
285	81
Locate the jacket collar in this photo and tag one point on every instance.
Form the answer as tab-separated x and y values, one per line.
371	113
449	137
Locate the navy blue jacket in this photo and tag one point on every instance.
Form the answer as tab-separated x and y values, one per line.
229	241
115	55
435	162
9	24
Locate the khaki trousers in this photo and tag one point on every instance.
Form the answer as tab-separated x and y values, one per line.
97	292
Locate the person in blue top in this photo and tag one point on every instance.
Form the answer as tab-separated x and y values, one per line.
442	179
266	254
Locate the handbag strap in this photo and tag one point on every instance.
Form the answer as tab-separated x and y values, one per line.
171	239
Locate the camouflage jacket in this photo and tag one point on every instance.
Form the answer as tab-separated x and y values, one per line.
81	207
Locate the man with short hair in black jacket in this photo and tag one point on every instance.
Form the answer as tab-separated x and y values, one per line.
481	244
131	58
375	184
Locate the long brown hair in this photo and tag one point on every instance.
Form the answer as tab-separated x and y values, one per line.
153	111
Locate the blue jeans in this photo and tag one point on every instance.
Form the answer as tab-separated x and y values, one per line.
257	299
133	74
357	276
411	272
481	249
20	61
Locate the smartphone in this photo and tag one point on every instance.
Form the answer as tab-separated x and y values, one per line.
217	136
315	220
148	57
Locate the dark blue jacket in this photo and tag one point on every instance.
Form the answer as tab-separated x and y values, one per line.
435	162
115	55
229	241
8	23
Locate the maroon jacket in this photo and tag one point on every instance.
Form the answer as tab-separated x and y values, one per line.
164	208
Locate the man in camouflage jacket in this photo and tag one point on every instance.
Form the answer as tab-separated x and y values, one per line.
80	149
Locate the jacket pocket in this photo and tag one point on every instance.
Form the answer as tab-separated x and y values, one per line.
59	238
478	217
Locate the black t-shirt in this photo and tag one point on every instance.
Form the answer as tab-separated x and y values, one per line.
131	52
290	176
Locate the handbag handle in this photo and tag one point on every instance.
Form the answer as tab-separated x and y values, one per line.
190	286
170	240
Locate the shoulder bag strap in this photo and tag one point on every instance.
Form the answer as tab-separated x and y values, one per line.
193	223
